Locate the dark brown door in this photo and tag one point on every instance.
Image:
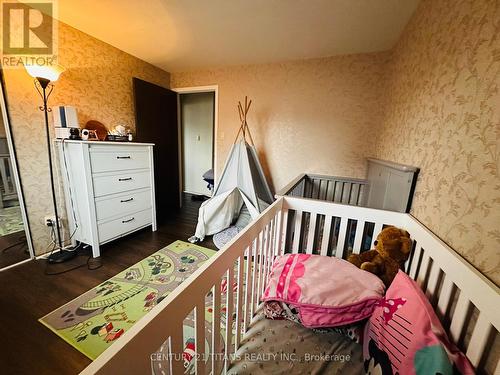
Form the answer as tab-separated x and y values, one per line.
156	122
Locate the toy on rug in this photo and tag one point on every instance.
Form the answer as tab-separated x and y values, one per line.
392	248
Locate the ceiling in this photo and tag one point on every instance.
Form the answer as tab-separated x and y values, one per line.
179	35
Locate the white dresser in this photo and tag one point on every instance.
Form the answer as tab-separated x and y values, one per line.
109	189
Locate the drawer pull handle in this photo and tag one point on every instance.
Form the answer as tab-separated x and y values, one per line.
126	200
128	221
123	157
125	179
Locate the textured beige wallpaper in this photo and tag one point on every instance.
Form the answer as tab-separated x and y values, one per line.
443	115
314	115
98	81
432	102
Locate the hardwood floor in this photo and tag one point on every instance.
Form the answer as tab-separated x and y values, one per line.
27	294
13	249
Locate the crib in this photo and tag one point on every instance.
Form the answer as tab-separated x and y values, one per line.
352	191
456	289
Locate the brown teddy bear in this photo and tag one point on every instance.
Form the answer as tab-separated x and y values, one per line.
392	248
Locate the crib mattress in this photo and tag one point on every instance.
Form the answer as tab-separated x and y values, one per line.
285	347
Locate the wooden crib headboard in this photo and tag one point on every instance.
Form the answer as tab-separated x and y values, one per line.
297	224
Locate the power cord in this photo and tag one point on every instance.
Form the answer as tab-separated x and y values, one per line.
53	243
87	263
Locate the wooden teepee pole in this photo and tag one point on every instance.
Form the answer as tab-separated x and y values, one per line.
243	112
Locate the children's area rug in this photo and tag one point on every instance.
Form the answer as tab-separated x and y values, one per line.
94	320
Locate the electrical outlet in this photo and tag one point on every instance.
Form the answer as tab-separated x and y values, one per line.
50	221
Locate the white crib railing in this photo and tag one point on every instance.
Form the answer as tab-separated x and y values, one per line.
335	189
246	261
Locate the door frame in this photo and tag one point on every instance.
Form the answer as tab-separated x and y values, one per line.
194	90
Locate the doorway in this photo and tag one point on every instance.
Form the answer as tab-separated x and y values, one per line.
197	128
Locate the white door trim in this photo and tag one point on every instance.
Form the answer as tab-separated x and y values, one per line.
193	90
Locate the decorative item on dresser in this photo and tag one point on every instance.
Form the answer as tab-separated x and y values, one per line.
109	189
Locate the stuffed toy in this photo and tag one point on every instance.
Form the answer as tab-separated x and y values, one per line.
392	248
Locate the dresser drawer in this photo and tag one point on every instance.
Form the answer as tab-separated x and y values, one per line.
123	225
122	204
118	160
121	182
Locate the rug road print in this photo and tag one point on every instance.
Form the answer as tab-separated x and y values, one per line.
97	318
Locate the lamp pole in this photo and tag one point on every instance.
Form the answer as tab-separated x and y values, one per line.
44	83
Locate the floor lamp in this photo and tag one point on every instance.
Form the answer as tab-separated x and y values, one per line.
44	76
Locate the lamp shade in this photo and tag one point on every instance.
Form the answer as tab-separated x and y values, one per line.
50	73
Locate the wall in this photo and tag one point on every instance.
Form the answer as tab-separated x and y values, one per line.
443	115
431	102
98	81
197	118
316	115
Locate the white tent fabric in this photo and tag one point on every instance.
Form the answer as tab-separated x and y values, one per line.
242	183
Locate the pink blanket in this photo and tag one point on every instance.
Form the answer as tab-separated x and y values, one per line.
327	291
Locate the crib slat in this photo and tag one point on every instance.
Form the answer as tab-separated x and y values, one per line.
478	340
199	338
176	349
406	264
272	244
414	262
458	320
259	265
330	192
422	272
270	247
376	230
360	227
320	182
433	280
254	276
360	194
326	235
297	232
281	233
229	316
216	334
264	258
354	194
339	253
312	232
327	189
444	297
239	302
342	192
246	316
269	250
350	185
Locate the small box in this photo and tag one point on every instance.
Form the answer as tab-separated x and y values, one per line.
62	133
65	117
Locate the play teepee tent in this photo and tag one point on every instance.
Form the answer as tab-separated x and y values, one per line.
242	185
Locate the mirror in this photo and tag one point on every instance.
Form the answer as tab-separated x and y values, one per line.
15	239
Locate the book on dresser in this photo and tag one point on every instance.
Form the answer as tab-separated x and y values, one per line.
109	189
